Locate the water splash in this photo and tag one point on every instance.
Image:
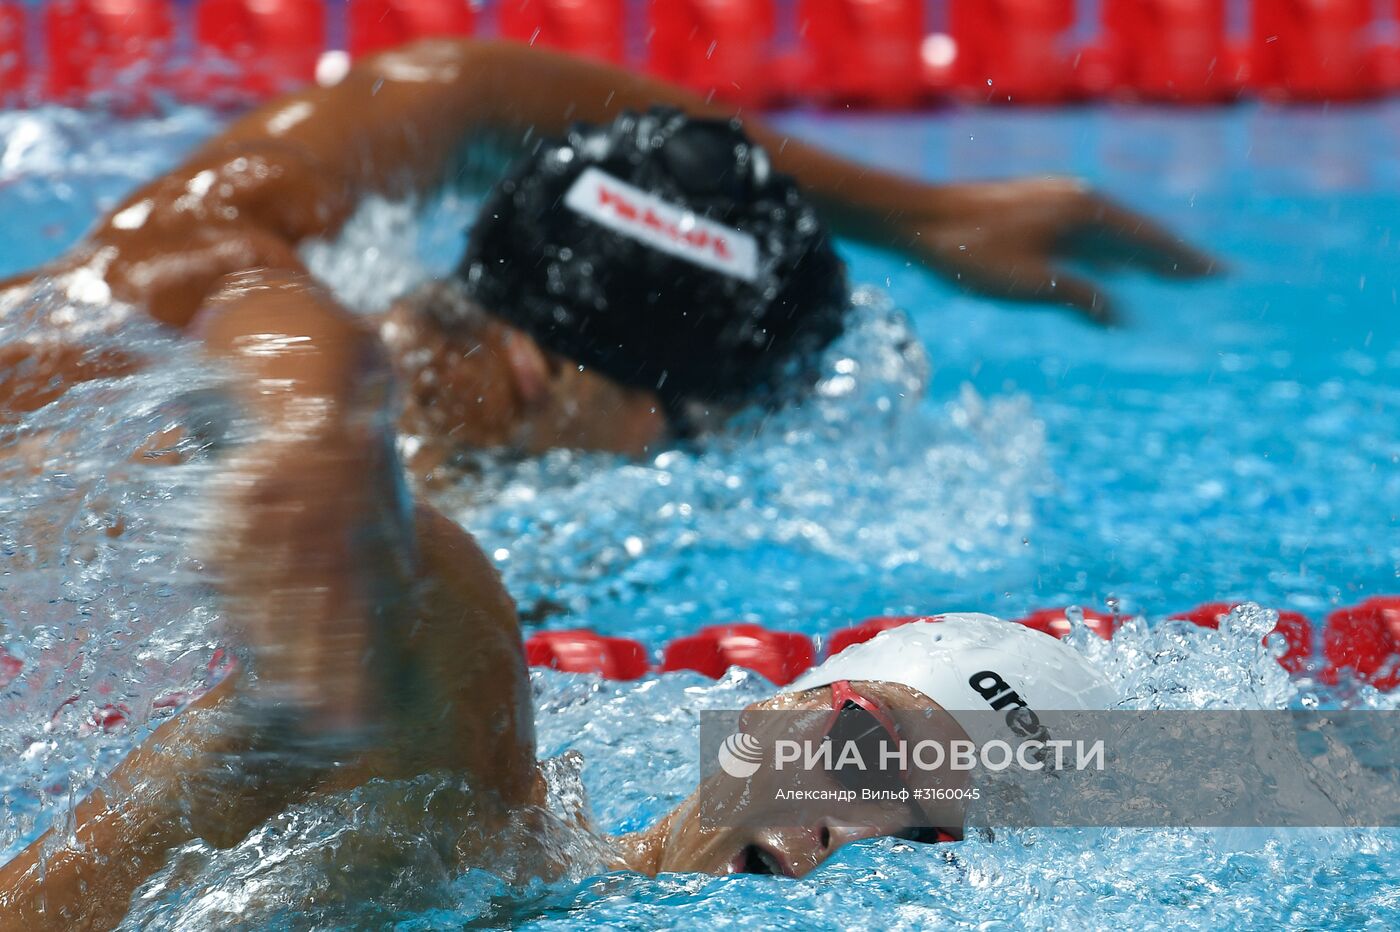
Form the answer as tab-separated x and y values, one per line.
100	598
857	486
388	248
382	853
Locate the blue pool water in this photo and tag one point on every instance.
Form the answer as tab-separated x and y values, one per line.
1234	438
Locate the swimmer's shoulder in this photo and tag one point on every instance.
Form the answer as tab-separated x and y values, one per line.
264	184
234	206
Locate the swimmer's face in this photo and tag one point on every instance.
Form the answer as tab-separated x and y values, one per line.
688	845
477	383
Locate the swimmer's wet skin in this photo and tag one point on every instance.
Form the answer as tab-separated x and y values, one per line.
399	124
375	626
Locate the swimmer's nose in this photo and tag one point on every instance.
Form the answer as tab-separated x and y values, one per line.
795	852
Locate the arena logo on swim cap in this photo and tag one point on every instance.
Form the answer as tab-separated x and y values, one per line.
674	230
1020	717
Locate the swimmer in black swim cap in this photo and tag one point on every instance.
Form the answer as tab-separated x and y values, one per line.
664	343
667	253
659	260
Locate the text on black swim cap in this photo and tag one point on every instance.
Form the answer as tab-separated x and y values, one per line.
633	212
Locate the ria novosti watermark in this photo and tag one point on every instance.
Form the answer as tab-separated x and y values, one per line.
1160	768
741	755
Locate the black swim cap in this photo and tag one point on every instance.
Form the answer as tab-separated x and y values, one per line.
664	252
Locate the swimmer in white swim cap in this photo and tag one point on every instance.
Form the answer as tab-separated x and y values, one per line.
942	673
950	678
938	673
971	663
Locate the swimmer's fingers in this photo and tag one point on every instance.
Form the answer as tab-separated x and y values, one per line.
1107	232
1045	283
1080	294
1028	277
1003	238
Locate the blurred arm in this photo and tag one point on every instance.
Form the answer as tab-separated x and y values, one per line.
384	643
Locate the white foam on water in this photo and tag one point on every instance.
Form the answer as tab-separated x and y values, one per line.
863	478
101	598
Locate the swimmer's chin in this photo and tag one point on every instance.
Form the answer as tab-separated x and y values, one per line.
645	852
655	851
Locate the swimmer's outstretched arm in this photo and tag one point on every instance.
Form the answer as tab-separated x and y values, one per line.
400	121
997	237
374	618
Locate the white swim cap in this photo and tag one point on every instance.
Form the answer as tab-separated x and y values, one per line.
972	663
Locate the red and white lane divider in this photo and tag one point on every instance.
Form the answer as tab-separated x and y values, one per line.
1363	639
864	53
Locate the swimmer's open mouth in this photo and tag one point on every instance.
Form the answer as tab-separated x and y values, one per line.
925	836
755	859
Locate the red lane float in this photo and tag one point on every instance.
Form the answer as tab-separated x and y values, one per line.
92	45
581	651
110	717
1054	622
864	51
591	28
1012	51
380	24
781	656
1171	50
271	45
1314	49
1293	626
714	47
105	718
1364	639
10	667
14	62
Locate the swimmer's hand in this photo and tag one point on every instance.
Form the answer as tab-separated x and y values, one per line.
1002	238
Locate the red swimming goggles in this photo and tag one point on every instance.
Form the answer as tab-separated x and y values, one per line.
867	722
869	725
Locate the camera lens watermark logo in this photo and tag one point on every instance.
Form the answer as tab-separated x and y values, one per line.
740	755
